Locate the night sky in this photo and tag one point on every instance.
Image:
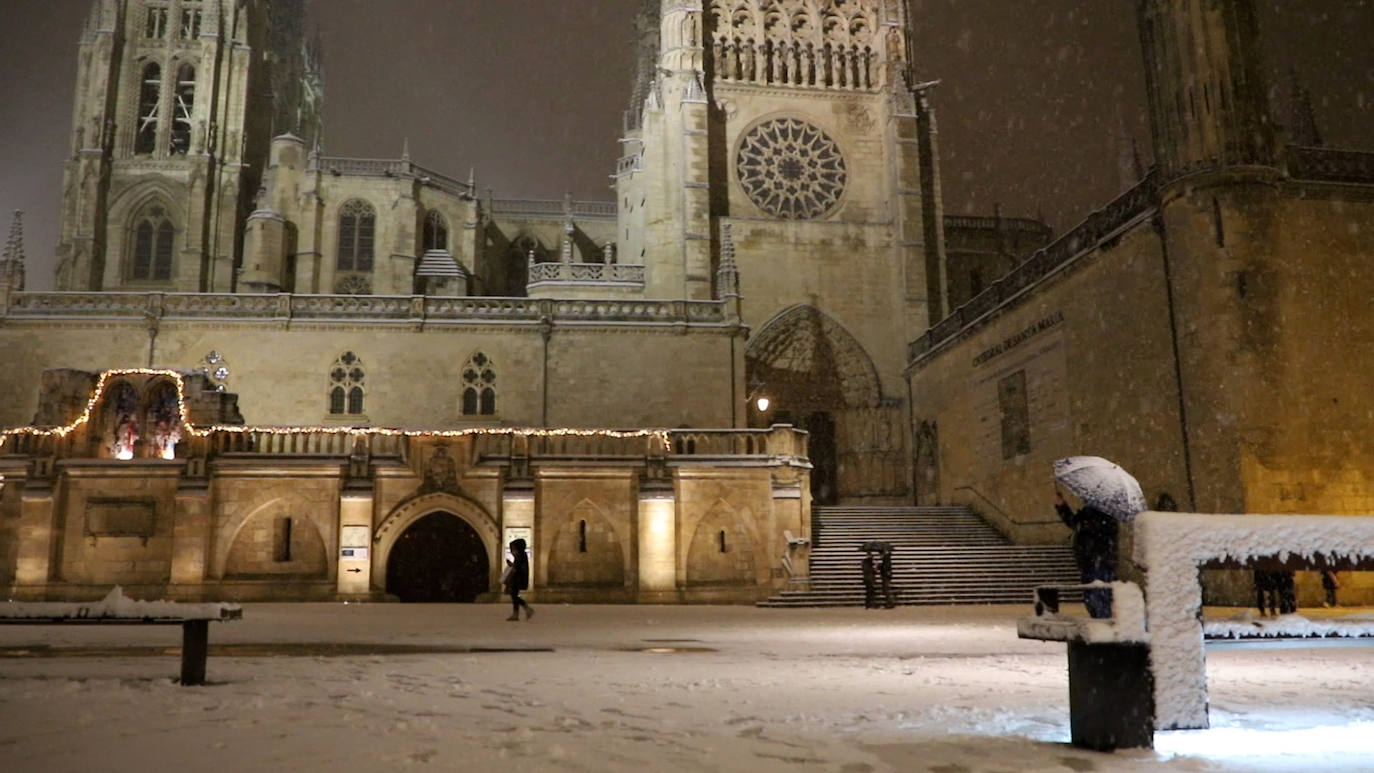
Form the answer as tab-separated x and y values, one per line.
530	93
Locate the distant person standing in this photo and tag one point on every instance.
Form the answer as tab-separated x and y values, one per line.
1287	585
1094	550
885	574
518	580
870	572
1266	593
1329	584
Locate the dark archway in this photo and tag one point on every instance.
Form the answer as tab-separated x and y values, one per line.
817	377
440	558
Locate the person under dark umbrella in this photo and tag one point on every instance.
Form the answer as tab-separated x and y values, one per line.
518	580
870	572
1094	550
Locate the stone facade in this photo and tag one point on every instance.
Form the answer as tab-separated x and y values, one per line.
269	513
1205	330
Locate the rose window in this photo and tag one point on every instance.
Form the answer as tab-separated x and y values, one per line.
791	169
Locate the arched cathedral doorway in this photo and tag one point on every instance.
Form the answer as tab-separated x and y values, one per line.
818	377
439	558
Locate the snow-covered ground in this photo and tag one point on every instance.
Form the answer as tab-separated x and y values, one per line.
320	687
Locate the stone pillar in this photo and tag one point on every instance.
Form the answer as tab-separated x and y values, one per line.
38	536
190	542
657	529
355	543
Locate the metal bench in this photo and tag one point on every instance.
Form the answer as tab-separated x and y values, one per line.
115	609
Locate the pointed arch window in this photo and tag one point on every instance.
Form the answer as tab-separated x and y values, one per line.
153	238
185	106
357	231
435	231
346	385
479	386
149	109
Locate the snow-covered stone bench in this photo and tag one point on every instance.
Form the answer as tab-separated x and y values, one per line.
1111	697
117	609
1172	547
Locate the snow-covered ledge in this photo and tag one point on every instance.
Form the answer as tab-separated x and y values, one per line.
1171	547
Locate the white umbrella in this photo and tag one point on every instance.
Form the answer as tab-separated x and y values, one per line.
1101	484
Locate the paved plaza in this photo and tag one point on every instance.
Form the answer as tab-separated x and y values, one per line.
327	687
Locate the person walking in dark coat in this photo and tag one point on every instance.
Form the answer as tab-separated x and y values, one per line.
1266	593
1287	586
1330	584
870	572
518	580
1094	550
885	574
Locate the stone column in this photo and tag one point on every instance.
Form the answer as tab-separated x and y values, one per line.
657	527
355	543
38	535
190	542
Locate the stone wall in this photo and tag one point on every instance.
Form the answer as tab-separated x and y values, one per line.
270	515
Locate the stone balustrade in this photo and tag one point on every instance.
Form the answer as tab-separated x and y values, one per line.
399	168
359	308
1330	165
586	273
1100	226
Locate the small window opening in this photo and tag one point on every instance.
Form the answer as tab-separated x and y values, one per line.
281	541
479	386
156	23
149	106
185	106
722	540
582	536
190	23
1217	223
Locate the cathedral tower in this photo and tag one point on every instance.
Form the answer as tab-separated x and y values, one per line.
176	105
795	123
1220	227
1208	99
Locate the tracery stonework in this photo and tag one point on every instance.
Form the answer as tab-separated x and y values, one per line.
791	169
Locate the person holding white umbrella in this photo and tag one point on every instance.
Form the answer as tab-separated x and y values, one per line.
1109	495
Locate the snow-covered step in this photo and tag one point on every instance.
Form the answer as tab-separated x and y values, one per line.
941	555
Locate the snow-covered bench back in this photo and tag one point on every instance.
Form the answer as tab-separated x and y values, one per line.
1173	546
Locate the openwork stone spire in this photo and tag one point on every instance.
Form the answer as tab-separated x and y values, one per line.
12	265
727	276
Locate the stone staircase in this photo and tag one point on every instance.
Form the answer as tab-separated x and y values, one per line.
941	555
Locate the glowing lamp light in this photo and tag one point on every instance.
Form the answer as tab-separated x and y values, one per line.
125	454
170	452
763	403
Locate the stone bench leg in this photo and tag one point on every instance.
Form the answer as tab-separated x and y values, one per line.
1111	696
195	648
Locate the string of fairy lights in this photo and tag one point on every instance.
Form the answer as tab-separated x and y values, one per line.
177	378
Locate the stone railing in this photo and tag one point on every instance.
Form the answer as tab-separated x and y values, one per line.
1100	226
286	441
583	273
552	208
355	308
994	223
629	164
380	167
780	440
1327	164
